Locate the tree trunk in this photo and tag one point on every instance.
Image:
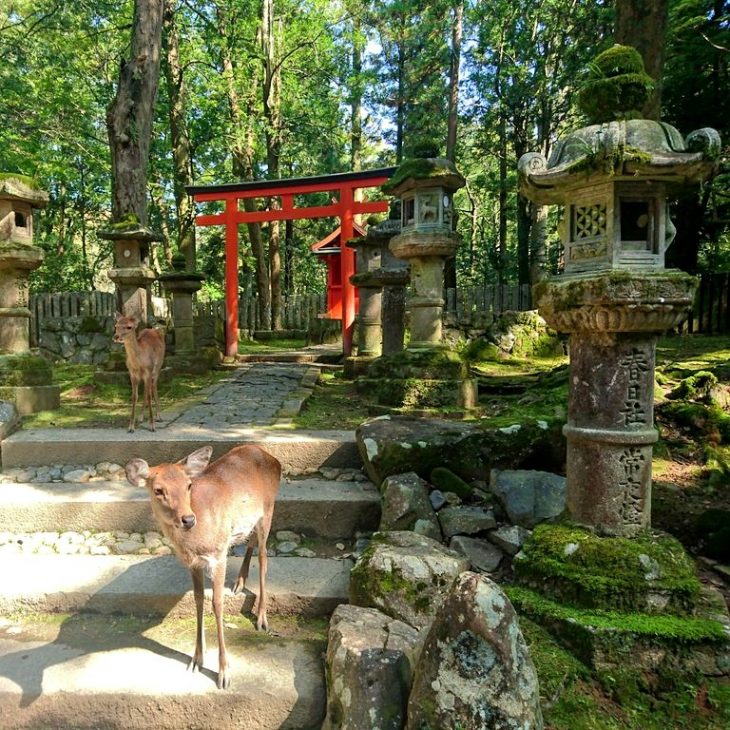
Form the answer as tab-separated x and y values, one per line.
502	235
243	167
270	36
356	95
129	116
642	24
453	115
181	155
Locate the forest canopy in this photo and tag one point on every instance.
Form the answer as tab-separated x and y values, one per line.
256	89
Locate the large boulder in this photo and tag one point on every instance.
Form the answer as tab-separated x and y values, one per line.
405	575
529	497
398	444
474	670
369	670
406	506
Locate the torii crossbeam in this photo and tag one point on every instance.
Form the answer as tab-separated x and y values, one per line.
345	207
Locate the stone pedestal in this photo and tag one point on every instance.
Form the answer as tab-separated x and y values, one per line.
613	321
181	285
393	308
426	253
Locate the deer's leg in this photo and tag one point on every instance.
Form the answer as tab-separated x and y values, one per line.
196	663
219	577
135	394
156	395
148	401
262	535
240	583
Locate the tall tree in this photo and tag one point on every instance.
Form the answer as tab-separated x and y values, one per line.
179	137
129	117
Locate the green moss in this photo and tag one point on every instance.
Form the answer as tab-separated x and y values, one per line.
697	387
481	350
127	222
419	168
445	480
616	86
24	370
26	180
706	422
91	325
580	568
681	629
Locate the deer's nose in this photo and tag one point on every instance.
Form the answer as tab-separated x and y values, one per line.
188	521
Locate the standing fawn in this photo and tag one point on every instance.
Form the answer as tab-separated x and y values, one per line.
145	352
203	510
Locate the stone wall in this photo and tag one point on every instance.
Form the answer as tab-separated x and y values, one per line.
84	340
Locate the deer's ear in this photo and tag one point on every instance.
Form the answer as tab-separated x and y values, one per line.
118	316
198	461
137	471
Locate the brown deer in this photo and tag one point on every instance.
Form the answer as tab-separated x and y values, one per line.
203	510
145	352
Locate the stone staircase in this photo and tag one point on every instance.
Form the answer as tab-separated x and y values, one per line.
102	640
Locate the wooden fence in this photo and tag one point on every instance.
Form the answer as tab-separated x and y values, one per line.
711	313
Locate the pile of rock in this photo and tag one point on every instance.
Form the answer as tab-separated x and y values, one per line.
430	640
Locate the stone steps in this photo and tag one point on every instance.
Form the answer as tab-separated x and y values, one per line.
313	507
142	585
298	451
87	672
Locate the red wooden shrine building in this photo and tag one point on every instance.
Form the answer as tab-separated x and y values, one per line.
330	249
284	193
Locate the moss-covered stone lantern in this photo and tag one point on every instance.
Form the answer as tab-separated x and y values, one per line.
25	377
426	374
613	179
425	187
132	273
614	298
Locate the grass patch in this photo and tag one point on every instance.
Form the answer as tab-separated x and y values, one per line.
334	404
87	404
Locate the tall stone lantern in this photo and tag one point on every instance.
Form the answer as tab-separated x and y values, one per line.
426	374
425	187
132	273
25	377
613	179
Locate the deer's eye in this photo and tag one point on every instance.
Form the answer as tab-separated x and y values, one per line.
159	492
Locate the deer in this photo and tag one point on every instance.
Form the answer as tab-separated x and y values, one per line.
144	354
205	509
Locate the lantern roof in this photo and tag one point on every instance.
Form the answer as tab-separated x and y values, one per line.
626	149
22	187
424	172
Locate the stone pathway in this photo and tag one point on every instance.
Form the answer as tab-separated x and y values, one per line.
255	394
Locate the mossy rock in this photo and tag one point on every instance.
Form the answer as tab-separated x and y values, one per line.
616	86
707	423
433	364
24	370
481	350
651	573
396	445
697	387
445	480
606	640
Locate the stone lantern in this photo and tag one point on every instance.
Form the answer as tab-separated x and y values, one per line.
426	374
613	179
425	187
25	377
182	285
132	273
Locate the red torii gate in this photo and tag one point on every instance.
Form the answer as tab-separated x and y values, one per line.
344	208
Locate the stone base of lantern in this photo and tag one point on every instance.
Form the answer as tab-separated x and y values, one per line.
357	367
26	380
420	379
617	603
